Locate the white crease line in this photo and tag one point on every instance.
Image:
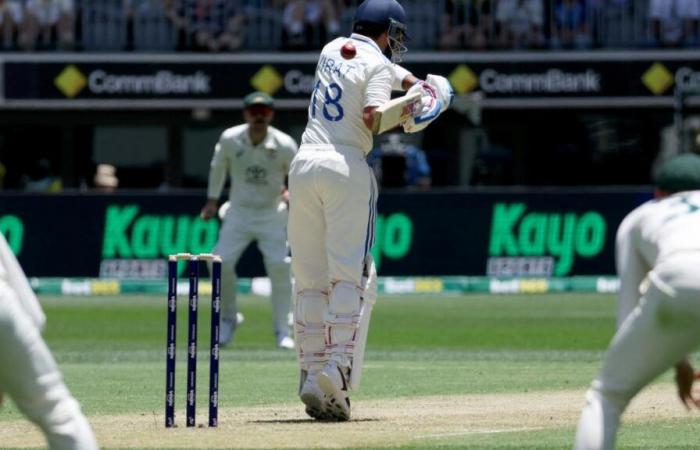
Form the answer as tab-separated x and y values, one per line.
466	433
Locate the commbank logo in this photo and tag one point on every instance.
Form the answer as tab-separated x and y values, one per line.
463	79
658	78
70	81
267	79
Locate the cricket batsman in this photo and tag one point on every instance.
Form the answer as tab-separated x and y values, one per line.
333	197
28	372
658	261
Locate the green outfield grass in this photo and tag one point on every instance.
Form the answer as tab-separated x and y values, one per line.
111	352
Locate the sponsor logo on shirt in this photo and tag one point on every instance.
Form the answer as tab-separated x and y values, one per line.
256	175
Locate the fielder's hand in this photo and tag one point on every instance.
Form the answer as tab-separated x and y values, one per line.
685	376
210	209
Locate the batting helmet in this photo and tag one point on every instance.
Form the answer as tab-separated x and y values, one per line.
384	13
380	11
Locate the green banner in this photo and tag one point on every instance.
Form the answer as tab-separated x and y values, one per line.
386	286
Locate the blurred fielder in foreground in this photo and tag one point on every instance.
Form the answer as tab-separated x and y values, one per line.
28	372
256	156
658	255
333	198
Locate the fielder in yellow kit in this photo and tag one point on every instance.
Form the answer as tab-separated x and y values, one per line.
658	261
333	198
28	372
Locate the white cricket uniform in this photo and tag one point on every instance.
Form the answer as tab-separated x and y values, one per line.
658	254
333	197
28	372
332	188
256	212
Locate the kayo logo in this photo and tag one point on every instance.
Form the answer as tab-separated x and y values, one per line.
560	235
393	237
128	234
12	228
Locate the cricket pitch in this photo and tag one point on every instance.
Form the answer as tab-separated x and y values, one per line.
375	424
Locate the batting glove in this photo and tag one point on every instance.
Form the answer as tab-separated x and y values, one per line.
429	109
443	90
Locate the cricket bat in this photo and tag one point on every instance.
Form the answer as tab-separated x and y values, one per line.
395	112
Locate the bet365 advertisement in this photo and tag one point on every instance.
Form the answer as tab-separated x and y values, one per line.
497	233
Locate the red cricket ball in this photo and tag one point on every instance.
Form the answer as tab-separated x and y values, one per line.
348	51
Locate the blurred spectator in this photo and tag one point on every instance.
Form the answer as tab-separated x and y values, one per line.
213	25
175	13
595	11
398	164
520	23
674	22
570	25
41	178
155	25
466	24
310	23
10	19
49	24
106	178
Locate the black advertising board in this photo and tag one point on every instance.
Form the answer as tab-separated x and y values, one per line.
498	233
82	80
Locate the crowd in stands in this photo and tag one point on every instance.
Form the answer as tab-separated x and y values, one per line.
237	25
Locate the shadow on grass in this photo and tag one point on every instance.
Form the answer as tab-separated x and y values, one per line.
330	422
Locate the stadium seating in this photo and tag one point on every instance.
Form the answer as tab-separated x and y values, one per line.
145	25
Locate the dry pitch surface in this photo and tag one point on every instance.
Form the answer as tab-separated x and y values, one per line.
375	424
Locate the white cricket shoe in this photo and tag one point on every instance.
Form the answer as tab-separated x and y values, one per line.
314	399
285	342
332	382
227	329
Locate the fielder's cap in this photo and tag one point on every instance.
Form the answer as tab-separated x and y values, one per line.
258	98
680	173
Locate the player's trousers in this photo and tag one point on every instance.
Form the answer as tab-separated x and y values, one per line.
332	214
29	375
268	227
662	330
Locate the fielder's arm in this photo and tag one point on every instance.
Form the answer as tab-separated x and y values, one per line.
631	268
210	208
217	179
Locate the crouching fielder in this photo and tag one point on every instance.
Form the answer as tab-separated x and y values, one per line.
256	157
658	255
28	372
333	198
